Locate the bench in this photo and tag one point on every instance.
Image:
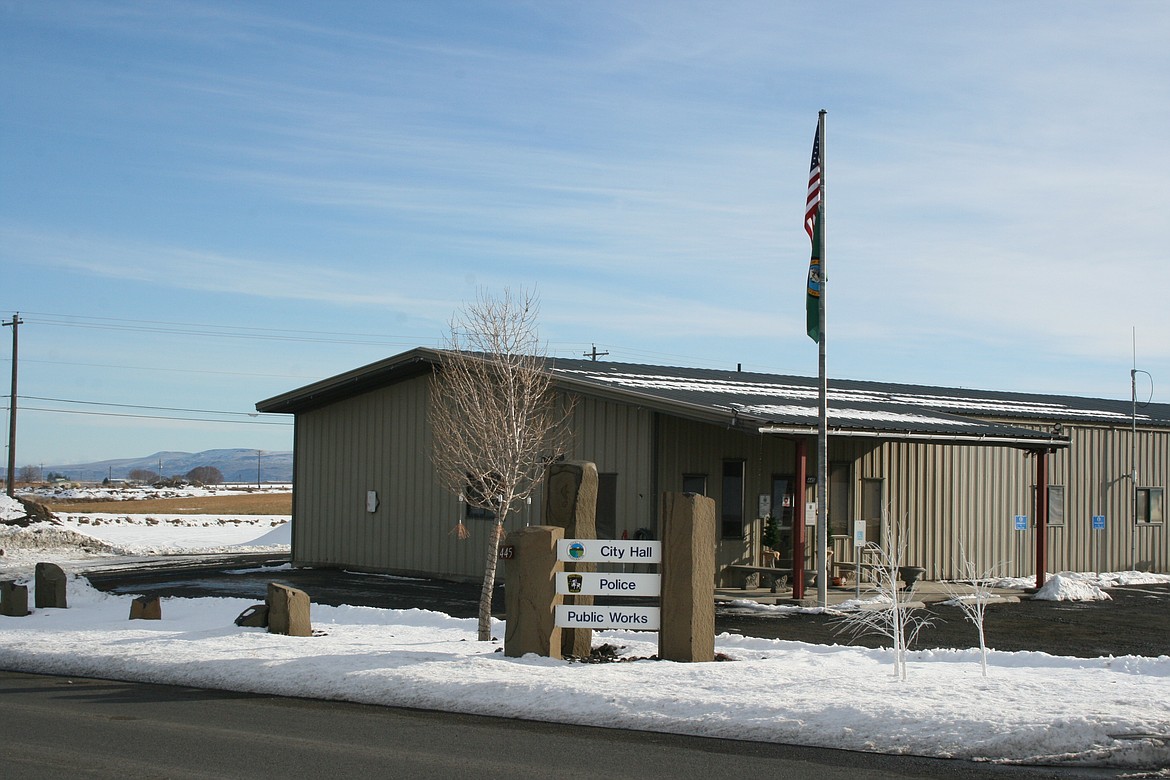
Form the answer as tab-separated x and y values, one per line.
848	569
747	577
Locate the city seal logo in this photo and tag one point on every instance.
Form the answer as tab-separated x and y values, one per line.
576	550
575	583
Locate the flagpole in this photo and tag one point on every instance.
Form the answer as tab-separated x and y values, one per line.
823	402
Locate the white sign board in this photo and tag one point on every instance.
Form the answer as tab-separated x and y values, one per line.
859	533
608	551
608	584
810	513
637	618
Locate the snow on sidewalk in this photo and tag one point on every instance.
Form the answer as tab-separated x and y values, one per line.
1032	707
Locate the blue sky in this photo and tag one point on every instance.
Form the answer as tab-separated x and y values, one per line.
204	204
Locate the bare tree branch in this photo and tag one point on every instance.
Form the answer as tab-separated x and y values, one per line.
495	417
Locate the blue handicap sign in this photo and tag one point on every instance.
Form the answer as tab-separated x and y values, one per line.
1098	522
1021	522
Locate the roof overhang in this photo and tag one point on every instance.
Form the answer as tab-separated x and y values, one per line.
1023	442
360	380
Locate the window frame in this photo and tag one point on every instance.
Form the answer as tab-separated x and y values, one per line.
732	514
1155	511
690	477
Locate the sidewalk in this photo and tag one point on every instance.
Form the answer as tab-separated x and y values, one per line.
926	592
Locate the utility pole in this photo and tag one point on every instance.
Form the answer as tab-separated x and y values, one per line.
594	354
16	321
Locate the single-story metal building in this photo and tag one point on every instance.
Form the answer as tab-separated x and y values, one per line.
953	470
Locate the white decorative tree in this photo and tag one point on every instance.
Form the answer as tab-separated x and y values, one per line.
495	417
896	614
973	602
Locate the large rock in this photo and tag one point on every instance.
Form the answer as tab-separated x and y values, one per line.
288	611
13	599
146	608
530	592
255	616
570	503
688	578
50	586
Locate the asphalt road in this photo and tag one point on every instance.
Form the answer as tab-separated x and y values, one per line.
56	727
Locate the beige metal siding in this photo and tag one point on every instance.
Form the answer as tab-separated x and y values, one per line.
949	500
619	438
377	441
381	441
688	447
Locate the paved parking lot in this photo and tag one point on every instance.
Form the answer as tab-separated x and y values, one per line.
1134	621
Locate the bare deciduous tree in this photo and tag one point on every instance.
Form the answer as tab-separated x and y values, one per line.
495	418
207	475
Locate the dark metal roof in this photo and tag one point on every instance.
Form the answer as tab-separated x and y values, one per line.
784	404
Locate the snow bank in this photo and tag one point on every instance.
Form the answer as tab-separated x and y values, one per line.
141	492
10	508
1065	588
1032	708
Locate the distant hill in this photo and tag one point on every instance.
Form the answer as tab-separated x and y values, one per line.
238	465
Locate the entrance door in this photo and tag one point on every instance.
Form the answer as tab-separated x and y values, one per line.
783	512
840	511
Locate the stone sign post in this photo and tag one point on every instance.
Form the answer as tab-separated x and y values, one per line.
571	503
530	593
688	578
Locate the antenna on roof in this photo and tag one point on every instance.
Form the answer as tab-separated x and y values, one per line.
593	354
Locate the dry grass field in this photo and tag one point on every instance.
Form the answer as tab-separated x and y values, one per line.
246	504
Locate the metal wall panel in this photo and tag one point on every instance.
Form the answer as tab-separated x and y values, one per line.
947	499
619	439
377	441
689	447
380	441
950	501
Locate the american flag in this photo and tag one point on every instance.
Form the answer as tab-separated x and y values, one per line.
814	186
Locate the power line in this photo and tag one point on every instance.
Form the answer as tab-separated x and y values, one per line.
153	416
219	331
136	406
156	368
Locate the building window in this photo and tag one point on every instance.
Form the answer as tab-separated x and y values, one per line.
1149	505
478	488
840	499
606	516
1055	505
873	499
695	483
731	514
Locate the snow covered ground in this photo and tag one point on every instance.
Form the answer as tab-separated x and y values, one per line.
1031	708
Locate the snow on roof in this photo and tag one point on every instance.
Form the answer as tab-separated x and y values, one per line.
841	415
858	400
781	401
